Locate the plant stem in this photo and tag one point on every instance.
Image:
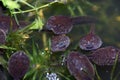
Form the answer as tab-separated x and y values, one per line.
114	66
34	9
44	37
98	77
66	78
24	2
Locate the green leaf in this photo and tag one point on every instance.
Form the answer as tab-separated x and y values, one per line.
38	24
11	4
114	67
30	73
6	47
2	60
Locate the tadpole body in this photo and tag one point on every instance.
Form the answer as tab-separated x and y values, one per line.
18	65
80	67
59	43
105	55
91	41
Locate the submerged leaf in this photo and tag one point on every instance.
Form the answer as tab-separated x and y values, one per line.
38	24
6	47
11	4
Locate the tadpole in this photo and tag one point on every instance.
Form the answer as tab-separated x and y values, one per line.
79	66
91	41
18	65
105	55
64	24
59	43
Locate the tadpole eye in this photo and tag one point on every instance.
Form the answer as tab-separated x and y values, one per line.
105	56
79	66
18	64
91	41
59	24
59	43
2	36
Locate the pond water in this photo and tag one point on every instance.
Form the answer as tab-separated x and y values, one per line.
107	28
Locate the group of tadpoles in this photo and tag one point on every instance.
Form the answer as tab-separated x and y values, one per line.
19	62
79	64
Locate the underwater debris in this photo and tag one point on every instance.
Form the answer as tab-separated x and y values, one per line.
105	55
91	41
80	67
64	24
52	76
18	64
59	43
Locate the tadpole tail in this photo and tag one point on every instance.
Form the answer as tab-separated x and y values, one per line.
84	20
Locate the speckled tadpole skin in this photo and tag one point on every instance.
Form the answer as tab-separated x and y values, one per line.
59	24
91	41
64	24
59	43
105	56
80	67
18	65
